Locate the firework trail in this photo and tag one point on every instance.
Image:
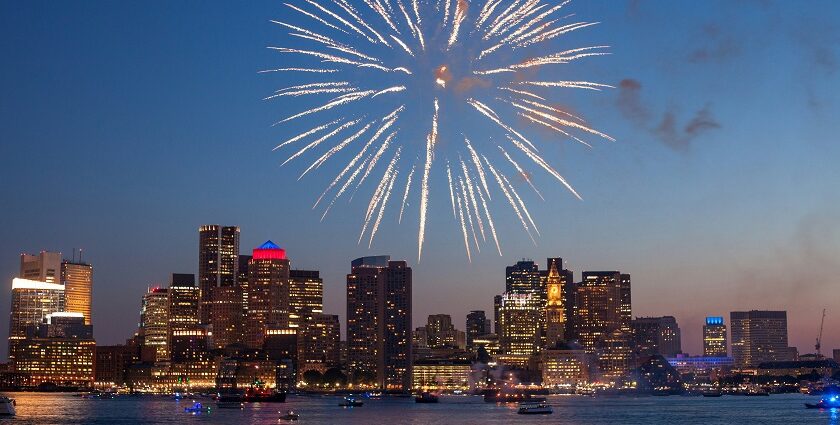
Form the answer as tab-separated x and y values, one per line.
359	69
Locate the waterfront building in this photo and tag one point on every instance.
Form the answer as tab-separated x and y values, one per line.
218	263
564	366
598	307
520	315
306	295
227	316
379	320
826	368
154	321
188	343
714	338
759	336
109	365
477	325
59	361
183	301
700	365
436	375
656	335
318	345
77	278
615	354
44	267
268	293
32	301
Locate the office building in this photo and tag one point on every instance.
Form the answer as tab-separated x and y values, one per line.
306	295
227	316
656	335
218	263
714	338
477	325
436	375
77	278
183	301
564	366
318	344
440	332
44	267
154	321
599	307
268	293
519	318
32	301
59	361
759	336
379	320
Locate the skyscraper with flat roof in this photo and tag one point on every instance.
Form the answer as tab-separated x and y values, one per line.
154	321
77	278
477	325
759	336
218	263
32	301
599	307
306	295
44	267
714	337
379	320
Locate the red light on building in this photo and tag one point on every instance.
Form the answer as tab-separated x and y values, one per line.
269	251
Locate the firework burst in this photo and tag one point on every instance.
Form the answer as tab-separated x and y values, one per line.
395	65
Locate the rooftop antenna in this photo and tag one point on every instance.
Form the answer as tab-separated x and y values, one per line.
80	255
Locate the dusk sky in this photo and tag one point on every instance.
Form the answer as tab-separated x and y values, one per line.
124	126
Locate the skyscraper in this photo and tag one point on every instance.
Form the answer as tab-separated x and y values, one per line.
32	301
227	316
154	322
440	332
218	263
183	301
268	293
477	325
318	344
497	305
759	336
44	267
77	278
519	318
306	295
656	335
379	320
714	338
599	307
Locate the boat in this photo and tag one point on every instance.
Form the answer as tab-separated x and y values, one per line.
534	409
7	406
264	395
712	393
197	407
230	401
290	416
426	397
832	402
350	402
508	396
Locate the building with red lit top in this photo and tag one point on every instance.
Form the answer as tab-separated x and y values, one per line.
267	304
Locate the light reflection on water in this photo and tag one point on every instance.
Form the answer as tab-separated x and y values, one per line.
40	408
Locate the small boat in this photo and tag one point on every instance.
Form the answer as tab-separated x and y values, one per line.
832	402
230	401
290	416
426	397
7	406
534	409
197	407
350	402
264	395
712	393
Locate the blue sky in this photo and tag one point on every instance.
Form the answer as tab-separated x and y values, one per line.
124	126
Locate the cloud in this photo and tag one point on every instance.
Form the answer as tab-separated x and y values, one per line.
629	101
720	46
668	130
681	139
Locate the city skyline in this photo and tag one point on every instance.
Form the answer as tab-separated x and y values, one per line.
532	277
134	152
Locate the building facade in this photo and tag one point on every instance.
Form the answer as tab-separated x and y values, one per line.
714	338
379	320
306	295
218	263
77	278
759	336
656	335
32	301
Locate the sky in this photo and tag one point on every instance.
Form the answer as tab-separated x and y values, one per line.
124	126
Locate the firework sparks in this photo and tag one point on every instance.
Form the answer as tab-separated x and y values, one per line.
340	48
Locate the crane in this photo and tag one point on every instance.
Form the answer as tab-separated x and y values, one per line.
819	337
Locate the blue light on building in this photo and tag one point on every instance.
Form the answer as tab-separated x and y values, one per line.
713	320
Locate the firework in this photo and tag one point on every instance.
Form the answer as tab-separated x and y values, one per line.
362	69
